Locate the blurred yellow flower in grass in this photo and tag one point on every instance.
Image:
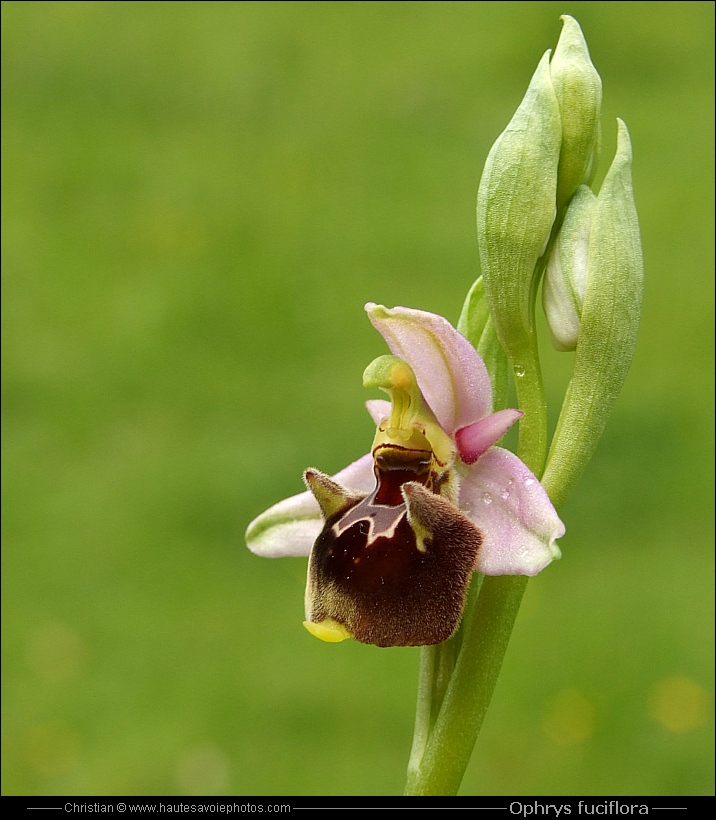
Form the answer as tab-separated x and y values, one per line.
568	718
52	748
679	704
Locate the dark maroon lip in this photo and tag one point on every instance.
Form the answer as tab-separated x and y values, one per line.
394	566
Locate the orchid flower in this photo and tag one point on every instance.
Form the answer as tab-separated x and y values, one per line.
393	538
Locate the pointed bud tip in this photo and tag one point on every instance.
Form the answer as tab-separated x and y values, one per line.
571	39
569	23
623	140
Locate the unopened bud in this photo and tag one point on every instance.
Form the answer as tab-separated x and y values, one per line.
566	277
578	88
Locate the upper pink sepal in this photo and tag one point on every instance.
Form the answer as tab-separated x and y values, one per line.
450	372
476	439
290	527
519	524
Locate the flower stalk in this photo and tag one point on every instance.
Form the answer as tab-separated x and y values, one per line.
468	695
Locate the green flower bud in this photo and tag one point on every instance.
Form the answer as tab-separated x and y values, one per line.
566	277
579	93
516	207
609	325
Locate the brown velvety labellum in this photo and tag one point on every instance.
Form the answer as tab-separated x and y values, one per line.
394	567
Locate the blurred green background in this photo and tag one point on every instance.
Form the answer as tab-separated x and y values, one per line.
198	199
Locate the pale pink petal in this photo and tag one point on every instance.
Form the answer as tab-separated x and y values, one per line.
519	524
476	439
450	373
378	409
290	527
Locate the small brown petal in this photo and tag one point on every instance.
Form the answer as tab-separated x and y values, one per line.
332	498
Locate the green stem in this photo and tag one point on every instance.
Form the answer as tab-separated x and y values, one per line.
437	664
468	695
532	442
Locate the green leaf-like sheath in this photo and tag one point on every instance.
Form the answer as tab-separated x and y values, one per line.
609	327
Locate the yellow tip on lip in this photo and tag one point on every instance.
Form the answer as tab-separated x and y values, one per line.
329	630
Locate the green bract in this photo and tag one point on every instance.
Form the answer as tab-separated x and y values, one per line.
609	325
516	207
